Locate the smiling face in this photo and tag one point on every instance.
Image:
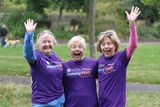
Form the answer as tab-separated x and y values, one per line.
108	43
107	47
45	44
77	50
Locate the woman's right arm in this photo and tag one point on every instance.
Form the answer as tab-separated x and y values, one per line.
28	47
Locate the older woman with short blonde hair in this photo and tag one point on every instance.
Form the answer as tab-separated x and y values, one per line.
79	77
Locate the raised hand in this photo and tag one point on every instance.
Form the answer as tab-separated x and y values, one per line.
30	25
133	15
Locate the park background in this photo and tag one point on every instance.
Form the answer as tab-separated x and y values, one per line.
71	17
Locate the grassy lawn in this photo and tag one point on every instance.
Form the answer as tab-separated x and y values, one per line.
19	96
143	68
142	99
15	95
145	64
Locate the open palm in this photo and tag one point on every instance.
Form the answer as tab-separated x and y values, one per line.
133	15
30	25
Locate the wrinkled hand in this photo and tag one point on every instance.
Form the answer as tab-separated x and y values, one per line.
30	25
133	15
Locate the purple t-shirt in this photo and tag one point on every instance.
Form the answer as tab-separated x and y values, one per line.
47	76
112	80
80	84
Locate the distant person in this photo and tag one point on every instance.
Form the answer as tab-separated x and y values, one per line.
80	76
3	35
45	68
112	64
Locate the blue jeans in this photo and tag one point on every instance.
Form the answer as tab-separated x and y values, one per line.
55	103
2	41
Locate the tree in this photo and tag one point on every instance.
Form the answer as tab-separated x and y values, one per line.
60	5
37	5
91	27
151	13
87	6
70	5
1	1
13	11
150	9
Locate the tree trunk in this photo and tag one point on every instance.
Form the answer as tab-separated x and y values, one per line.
60	12
91	28
1	1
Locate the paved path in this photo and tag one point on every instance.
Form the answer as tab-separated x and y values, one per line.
15	79
143	87
130	86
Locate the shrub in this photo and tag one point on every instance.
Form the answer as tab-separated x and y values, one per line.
59	34
15	22
149	32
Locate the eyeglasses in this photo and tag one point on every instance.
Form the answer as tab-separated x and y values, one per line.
106	33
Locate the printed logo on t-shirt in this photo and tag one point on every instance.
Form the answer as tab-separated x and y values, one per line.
83	73
106	69
56	65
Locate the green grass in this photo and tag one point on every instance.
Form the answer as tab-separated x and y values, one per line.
142	99
145	64
143	68
12	62
12	95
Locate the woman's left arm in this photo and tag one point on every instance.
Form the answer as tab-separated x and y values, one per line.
133	39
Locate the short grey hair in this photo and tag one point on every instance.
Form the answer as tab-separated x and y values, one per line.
77	38
45	32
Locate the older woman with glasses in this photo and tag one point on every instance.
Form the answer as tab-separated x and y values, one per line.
112	64
45	68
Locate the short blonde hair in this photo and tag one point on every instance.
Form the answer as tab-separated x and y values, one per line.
43	33
77	38
112	35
